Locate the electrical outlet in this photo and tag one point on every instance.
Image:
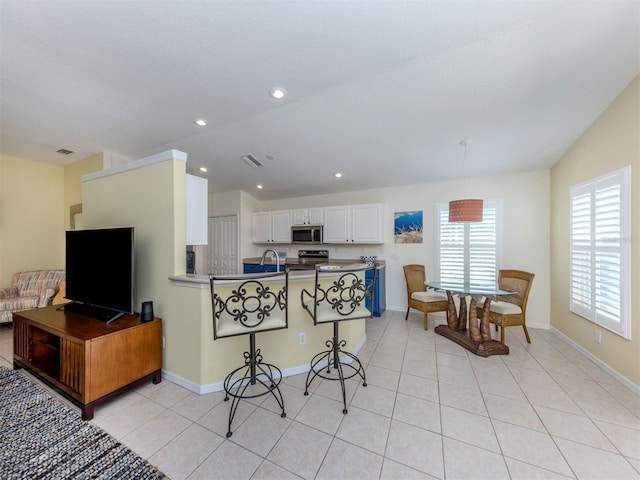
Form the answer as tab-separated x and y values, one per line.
598	337
302	338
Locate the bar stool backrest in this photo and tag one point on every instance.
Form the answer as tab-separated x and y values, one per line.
249	303
339	294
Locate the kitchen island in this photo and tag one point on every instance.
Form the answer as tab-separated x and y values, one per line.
254	265
208	362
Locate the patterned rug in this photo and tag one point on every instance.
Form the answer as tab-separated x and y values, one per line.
41	438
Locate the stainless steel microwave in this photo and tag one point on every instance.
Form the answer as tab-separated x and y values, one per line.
307	234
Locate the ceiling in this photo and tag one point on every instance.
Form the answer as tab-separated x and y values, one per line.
382	91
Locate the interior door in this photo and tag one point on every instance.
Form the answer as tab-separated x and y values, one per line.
221	253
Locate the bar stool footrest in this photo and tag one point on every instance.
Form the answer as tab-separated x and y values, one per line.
334	358
267	376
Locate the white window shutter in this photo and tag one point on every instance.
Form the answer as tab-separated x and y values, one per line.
468	250
600	251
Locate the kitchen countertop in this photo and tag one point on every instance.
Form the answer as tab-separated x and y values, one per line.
295	261
202	281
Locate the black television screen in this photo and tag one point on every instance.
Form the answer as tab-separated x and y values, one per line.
100	271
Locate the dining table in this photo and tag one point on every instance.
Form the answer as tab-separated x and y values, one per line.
470	327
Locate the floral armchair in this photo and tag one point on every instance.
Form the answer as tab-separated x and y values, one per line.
28	290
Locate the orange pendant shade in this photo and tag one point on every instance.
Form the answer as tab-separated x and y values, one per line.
467	210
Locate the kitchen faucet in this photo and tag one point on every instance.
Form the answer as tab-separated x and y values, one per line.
277	258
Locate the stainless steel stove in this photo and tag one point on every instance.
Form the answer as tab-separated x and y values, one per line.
308	259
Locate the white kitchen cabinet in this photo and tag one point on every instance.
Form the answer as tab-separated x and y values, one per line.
354	224
337	225
196	212
271	227
307	216
366	223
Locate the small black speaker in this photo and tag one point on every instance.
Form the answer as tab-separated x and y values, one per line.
191	262
146	315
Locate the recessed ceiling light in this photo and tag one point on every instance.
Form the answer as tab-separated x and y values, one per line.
278	92
200	122
204	169
337	175
259	186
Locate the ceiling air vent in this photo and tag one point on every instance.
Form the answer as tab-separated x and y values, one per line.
64	151
251	160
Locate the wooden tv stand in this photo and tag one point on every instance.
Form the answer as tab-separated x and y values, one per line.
87	360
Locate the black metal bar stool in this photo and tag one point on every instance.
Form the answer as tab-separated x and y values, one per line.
339	295
246	305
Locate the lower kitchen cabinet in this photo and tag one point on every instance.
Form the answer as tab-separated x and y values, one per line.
257	268
379	291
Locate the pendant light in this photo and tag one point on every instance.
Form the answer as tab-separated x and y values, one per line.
469	209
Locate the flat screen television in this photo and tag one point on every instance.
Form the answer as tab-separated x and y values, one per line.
100	272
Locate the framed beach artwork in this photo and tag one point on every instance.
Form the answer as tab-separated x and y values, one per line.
407	227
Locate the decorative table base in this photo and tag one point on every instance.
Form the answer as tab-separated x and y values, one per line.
477	337
461	337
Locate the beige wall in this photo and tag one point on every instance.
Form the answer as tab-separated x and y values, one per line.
151	198
72	183
610	143
525	231
31	217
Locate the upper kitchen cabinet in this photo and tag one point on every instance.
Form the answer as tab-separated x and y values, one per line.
354	224
271	227
308	216
196	215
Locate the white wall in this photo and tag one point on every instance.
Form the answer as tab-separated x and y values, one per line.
526	210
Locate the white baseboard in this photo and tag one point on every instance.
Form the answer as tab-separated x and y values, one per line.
218	386
614	373
544	326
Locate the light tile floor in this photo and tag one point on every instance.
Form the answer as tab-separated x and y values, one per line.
430	410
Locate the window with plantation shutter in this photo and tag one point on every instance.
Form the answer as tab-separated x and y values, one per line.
600	257
469	250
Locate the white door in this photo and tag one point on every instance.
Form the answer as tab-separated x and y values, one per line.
221	253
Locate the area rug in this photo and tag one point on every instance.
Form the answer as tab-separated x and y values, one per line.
41	438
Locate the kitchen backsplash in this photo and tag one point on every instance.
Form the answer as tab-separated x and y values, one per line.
335	251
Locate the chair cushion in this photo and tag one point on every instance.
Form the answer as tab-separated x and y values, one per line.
505	308
430	296
227	327
324	312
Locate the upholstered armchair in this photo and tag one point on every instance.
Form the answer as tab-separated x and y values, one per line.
29	290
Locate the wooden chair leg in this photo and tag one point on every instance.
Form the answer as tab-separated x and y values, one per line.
526	333
407	314
426	319
501	334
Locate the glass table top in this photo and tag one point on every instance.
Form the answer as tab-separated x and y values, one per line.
470	287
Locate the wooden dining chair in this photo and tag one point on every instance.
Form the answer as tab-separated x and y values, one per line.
511	311
417	295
